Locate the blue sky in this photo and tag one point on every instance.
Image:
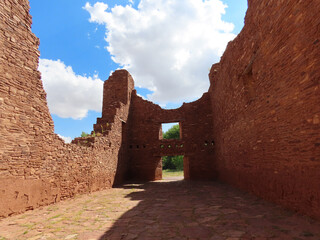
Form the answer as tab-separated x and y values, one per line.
82	42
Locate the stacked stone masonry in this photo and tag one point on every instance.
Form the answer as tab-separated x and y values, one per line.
265	94
36	167
258	126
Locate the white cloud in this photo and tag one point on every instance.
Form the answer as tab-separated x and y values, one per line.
167	45
68	94
65	139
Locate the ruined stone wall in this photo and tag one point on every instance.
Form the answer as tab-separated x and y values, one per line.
36	166
117	92
266	103
257	128
146	148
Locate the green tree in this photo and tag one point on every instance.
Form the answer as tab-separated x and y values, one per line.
167	163
84	134
178	162
172	133
172	162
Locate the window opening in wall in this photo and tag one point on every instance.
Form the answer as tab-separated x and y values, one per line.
172	167
170	131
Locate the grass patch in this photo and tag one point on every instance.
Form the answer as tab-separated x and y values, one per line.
56	216
28	226
172	173
52	208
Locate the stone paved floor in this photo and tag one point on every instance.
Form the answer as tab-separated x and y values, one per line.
161	210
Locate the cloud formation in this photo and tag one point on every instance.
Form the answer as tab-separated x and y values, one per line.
70	95
167	45
65	139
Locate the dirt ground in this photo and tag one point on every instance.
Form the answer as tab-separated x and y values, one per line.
167	209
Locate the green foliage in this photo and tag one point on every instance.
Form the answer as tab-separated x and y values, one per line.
167	163
172	162
84	134
93	134
172	133
178	162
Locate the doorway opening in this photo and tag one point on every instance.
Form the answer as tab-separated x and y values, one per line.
173	167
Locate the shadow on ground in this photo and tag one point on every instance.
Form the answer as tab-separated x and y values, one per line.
205	210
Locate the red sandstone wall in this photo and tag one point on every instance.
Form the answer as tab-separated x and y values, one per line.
266	103
36	166
115	112
146	149
263	135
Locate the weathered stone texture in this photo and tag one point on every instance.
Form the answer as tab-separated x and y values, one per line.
266	103
258	126
142	146
36	166
146	147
